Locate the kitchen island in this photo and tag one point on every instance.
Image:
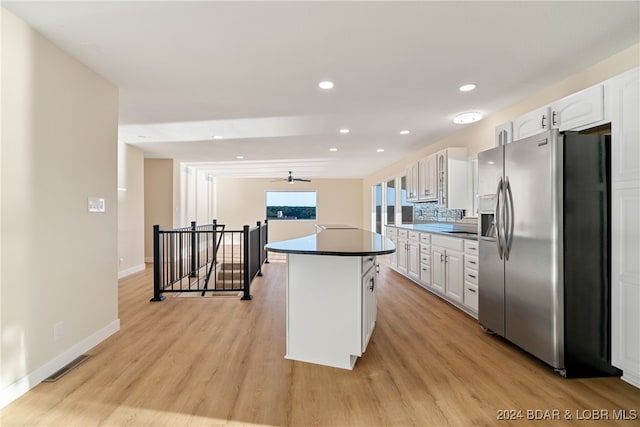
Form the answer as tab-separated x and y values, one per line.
331	294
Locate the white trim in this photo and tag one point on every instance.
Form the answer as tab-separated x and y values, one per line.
631	378
26	383
148	259
130	271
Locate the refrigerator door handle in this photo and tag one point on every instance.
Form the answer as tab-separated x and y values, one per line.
498	219
510	222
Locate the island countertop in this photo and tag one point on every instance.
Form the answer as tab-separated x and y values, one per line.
340	242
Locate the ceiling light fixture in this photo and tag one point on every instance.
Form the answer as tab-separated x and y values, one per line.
467	87
333	149
380	150
239	157
466	118
217	137
344	131
326	85
405	132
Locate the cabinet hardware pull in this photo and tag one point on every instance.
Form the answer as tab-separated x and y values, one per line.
543	119
377	268
471	275
441	258
373	285
472	262
553	118
472	290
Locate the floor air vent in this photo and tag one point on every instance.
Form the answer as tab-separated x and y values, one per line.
65	369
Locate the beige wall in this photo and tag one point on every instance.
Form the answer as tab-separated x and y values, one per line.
130	209
161	191
242	201
59	262
481	136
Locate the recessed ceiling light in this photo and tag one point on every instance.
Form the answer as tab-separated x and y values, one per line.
466	118
217	137
142	136
405	132
333	149
239	157
467	87
380	150
344	131
325	84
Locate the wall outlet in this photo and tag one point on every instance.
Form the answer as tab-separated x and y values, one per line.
58	331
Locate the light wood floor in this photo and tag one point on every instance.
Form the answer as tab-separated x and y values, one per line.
219	361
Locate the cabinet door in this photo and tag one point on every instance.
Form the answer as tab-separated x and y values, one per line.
441	176
437	268
369	306
579	109
432	178
394	256
454	275
504	133
413	260
625	228
531	123
401	251
422	180
412	182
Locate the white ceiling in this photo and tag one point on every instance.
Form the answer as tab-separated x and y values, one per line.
248	71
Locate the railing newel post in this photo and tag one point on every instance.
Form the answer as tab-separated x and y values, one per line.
193	250
266	240
246	279
260	248
157	261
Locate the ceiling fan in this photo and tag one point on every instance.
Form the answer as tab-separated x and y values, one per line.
291	180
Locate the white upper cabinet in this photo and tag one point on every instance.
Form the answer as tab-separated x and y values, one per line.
412	182
428	179
452	178
578	110
532	123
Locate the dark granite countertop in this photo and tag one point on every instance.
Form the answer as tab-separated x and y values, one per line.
341	242
463	231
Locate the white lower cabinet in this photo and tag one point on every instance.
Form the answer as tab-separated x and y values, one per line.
440	264
392	234
413	255
369	304
448	266
470	297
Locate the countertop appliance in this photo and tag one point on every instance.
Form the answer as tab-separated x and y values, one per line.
544	249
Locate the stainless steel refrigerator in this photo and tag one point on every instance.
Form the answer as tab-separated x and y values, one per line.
544	248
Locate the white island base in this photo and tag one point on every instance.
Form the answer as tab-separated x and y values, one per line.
331	308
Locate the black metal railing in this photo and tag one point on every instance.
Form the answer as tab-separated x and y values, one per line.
207	258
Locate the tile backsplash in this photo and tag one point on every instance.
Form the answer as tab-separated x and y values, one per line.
430	212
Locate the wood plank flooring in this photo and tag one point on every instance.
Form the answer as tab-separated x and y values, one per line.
219	361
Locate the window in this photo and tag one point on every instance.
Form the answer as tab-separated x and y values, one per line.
406	207
391	202
291	205
377	213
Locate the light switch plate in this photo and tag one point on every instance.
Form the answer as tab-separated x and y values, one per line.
95	204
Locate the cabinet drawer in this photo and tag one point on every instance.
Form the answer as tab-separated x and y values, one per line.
367	262
425	238
425	254
471	247
392	232
447	242
471	262
425	274
471	296
414	235
403	233
471	276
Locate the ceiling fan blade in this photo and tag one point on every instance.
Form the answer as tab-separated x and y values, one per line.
301	180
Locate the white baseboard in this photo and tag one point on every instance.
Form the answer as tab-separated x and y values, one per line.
148	259
130	271
631	378
26	383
